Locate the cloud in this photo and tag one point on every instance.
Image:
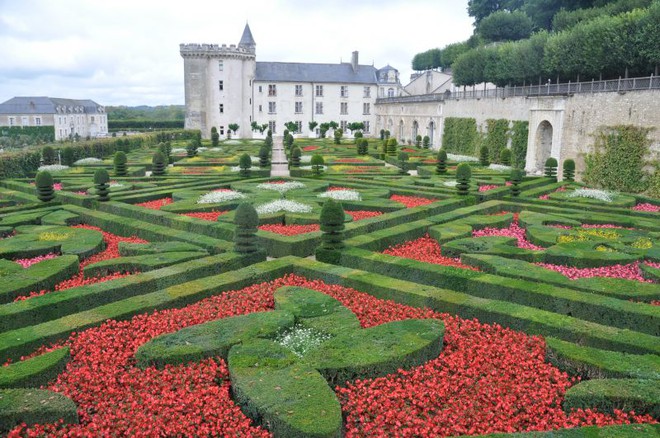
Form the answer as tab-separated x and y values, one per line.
127	52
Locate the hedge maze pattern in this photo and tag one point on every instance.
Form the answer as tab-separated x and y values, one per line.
419	319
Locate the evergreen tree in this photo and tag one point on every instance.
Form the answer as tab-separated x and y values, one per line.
215	137
245	163
44	185
463	174
483	156
264	156
515	178
48	155
317	164
403	160
338	134
391	147
120	164
295	157
101	180
441	166
191	148
505	157
246	221
569	170
426	142
159	164
332	225
418	141
551	167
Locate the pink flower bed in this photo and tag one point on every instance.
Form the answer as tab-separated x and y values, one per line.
156	204
358	215
647	207
26	263
627	272
290	230
488	187
412	201
514	230
207	216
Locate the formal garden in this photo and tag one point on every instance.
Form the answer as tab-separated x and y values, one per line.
165	285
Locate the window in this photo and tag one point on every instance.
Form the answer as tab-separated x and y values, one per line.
221	65
272	109
344	91
222	130
272	90
366	127
319	91
343	108
298	90
390	92
319	107
271	126
221	107
25	121
37	121
60	120
221	85
260	108
260	89
11	121
382	91
367	92
298	125
343	124
366	108
299	107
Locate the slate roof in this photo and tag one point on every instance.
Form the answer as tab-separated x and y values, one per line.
306	72
247	39
45	105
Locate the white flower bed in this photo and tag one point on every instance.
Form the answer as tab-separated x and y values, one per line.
305	158
90	160
500	168
214	150
202	149
231	142
115	185
281	188
311	168
300	340
453	183
53	168
342	195
600	195
283	205
462	158
177	151
224	196
255	160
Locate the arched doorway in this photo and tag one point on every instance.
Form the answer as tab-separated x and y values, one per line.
401	130
415	130
543	143
431	131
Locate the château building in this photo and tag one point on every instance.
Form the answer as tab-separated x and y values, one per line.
68	117
226	85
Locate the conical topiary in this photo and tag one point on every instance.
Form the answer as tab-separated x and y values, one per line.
362	146
317	164
245	162
159	164
441	166
268	142
551	167
483	156
44	184
569	170
463	174
120	164
515	178
101	180
295	156
403	158
505	157
391	147
332	225
264	156
246	220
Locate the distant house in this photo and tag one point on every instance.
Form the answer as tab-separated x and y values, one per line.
68	117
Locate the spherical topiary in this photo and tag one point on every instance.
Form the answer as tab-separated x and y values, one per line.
338	134
418	141
463	174
483	156
159	164
505	157
101	179
264	156
288	141
391	147
166	149
44	184
515	178
120	164
295	156
245	162
551	167
246	220
215	137
569	170
332	225
441	166
48	155
317	164
403	158
426	142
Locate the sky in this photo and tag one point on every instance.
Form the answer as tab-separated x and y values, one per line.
119	52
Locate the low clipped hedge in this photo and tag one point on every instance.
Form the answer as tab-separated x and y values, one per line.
139	263
42	275
34	406
36	371
607	395
623	431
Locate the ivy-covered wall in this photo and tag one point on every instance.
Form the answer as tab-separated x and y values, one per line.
460	136
519	133
497	136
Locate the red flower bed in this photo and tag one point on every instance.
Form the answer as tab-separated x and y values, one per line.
207	216
26	263
155	204
360	169
290	230
336	188
409	150
487	379
647	207
487	187
358	215
309	148
630	271
412	201
111	251
425	249
349	160
514	230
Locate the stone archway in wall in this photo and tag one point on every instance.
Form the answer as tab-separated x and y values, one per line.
543	143
415	130
431	131
401	125
390	126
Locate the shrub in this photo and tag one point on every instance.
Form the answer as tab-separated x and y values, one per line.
191	148
484	158
338	134
295	156
268	142
505	157
463	174
519	133
332	225
166	149
233	128
245	162
515	178
551	167
120	163
391	147
362	146
426	142
441	166
323	129
418	141
264	156
68	156
569	170
44	184
215	137
159	164
48	155
312	125
288	141
317	164
382	134
403	158
101	179
387	133
358	135
246	220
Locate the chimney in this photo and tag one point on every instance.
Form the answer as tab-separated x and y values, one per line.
354	61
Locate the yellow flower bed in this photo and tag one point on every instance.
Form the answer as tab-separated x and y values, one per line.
50	237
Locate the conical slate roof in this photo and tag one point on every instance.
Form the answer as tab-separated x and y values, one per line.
247	39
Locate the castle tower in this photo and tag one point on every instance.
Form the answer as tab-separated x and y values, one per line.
218	85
